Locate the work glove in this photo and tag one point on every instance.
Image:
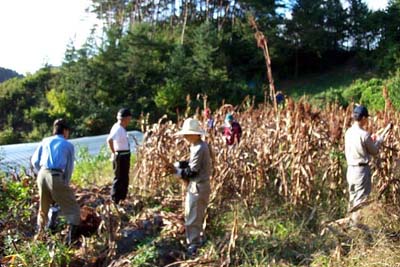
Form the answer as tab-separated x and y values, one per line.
178	171
378	139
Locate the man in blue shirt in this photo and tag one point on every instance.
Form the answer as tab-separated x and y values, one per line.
54	159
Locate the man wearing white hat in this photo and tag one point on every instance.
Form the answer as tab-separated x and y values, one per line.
197	172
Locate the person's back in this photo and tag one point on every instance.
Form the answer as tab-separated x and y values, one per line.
54	159
55	148
57	153
358	146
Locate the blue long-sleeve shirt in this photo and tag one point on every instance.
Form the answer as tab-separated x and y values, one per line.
55	152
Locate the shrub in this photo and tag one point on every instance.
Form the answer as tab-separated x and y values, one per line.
92	169
332	95
393	85
368	93
8	136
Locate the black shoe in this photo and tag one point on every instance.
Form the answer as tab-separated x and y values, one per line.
73	235
53	215
192	250
203	241
116	202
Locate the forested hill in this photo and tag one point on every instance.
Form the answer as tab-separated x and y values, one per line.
164	57
6	74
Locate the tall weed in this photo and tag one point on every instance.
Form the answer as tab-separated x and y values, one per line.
92	169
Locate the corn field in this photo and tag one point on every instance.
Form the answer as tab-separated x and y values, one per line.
296	153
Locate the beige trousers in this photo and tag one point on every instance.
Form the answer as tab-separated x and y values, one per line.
359	180
197	198
54	188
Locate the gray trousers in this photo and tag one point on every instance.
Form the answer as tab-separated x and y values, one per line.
197	198
54	188
359	180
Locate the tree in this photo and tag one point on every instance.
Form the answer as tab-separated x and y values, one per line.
334	24
388	54
358	21
21	95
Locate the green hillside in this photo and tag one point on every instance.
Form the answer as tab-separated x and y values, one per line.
6	74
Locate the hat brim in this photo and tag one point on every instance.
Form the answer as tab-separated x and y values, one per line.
186	132
363	115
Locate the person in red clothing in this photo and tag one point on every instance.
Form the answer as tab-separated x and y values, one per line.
232	130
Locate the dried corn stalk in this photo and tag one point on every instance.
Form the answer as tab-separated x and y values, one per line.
297	155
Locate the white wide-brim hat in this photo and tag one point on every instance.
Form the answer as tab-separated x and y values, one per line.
191	126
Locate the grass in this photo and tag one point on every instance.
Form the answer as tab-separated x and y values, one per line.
315	84
145	255
93	169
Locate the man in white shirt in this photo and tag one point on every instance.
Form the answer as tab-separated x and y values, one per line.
118	143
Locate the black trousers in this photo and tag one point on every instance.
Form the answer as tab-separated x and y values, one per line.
120	184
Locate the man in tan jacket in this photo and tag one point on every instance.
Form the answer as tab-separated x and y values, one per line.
196	172
359	148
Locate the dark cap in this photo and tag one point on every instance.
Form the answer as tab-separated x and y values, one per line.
360	112
124	112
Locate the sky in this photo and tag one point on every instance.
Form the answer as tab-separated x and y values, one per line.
376	4
37	32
